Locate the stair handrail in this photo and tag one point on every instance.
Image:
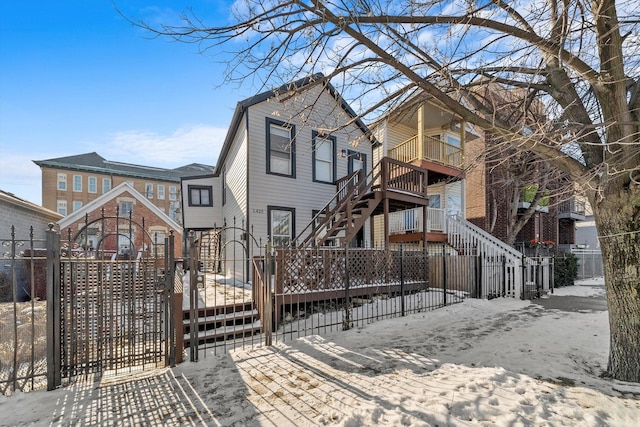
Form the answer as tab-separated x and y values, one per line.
461	222
341	184
360	186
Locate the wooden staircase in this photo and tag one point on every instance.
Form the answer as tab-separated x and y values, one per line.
391	186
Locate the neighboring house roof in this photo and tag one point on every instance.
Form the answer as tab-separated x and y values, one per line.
111	195
93	162
25	204
243	105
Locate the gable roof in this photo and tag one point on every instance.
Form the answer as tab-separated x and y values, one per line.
93	162
242	106
111	195
15	200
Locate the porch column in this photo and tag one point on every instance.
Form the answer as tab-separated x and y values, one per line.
421	132
386	222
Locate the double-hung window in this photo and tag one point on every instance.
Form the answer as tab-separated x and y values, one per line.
281	159
173	192
77	205
200	195
125	209
62	181
160	191
93	184
62	207
281	225
106	185
77	183
324	158
357	161
148	191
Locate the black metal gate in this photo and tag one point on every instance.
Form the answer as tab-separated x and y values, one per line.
111	310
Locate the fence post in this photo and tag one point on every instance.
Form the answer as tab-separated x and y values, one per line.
193	298
478	284
402	312
169	286
267	316
346	322
524	277
54	377
444	274
504	275
552	272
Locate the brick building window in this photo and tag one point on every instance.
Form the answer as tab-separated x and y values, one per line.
62	181
93	184
148	191
126	208
106	185
77	183
173	192
62	207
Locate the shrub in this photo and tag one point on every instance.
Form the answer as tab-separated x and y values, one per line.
565	269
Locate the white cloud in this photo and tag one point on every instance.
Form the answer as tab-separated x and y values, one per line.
20	176
195	144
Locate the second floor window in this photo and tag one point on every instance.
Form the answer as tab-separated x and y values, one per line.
161	191
200	196
148	191
77	183
173	192
77	205
280	148
62	181
106	185
93	184
324	154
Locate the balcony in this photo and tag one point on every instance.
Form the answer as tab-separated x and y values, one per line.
572	209
433	150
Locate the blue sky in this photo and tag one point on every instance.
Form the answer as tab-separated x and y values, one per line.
75	77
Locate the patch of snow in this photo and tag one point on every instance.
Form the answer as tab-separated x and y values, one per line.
499	362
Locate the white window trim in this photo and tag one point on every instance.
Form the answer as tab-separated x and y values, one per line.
95	180
62	178
74	184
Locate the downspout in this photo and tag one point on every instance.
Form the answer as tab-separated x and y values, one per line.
247	227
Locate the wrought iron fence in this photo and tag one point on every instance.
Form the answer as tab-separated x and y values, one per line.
23	332
312	291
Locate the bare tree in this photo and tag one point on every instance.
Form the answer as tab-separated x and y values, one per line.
577	58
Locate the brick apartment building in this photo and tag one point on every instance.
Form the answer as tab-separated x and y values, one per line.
69	183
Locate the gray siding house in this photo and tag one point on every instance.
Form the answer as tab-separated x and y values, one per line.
281	158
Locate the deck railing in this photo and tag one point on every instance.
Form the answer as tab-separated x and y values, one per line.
434	150
464	236
572	206
410	221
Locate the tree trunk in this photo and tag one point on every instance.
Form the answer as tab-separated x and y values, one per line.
618	221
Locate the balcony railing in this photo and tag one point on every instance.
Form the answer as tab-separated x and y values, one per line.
572	206
410	221
434	150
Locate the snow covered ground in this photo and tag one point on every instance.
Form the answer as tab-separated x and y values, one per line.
501	362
